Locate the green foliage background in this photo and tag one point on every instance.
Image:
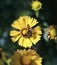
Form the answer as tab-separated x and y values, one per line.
10	10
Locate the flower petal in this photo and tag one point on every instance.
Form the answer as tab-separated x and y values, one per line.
36	39
25	42
32	22
22	21
14	32
15	38
33	57
38	30
16	24
38	61
20	41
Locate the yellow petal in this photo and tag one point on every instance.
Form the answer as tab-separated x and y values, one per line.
38	61
15	38
52	37
25	42
29	20
49	36
16	24
20	41
14	33
23	52
32	22
38	30
56	38
33	57
36	39
22	21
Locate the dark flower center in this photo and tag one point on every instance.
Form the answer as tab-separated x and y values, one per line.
26	32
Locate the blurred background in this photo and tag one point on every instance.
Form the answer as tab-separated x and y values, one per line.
10	10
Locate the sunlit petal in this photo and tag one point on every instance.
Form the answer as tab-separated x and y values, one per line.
16	24
32	22
36	39
25	42
15	38
38	30
14	32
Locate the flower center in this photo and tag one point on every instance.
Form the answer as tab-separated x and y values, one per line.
26	32
53	32
26	60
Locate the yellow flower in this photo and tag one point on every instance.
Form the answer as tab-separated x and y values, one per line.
36	5
26	57
25	32
52	32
